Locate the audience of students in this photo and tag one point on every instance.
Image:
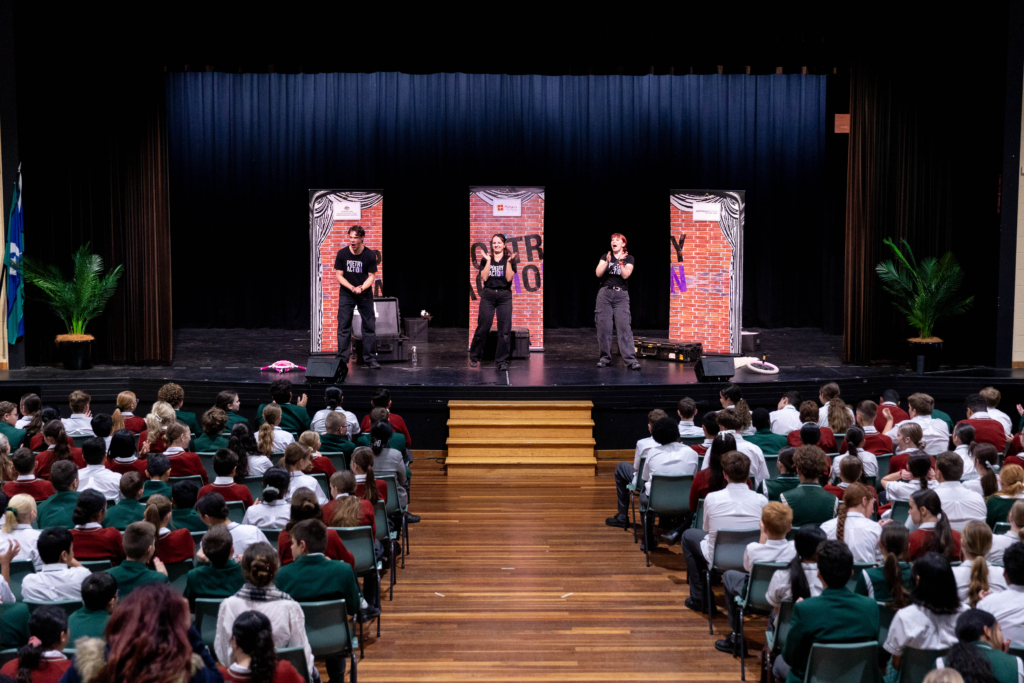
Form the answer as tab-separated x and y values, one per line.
346	509
853	445
1000	542
295	417
319	463
334	397
29	405
47	415
122	456
382	399
24	462
933	531
254	659
103	428
730	422
272	438
388	461
963	441
158	475
184	495
800	580
80	422
297	460
174	396
918	475
303	507
709	425
889	400
987	429
853	524
367	485
787	479
152	439
229	402
16	437
184	463
986	462
59	446
829	397
95	476
334	439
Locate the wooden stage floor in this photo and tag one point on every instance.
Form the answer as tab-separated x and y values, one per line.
524	582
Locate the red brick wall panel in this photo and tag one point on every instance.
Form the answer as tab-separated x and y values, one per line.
701	312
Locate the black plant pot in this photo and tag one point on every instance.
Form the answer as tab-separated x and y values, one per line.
925	355
76	355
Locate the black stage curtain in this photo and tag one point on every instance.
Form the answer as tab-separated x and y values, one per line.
245	148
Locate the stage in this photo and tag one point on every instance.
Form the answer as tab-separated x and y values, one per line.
210	360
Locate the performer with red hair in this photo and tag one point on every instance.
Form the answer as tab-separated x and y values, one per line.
612	307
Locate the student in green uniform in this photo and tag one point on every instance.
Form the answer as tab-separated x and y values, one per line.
139	549
335	439
129	509
979	653
174	395
294	417
1011	478
217	575
810	502
99	595
787	479
228	402
214	421
814	620
765	438
56	510
184	515
8	418
314	578
158	471
891	582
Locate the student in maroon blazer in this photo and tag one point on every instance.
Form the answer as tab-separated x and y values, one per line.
323	464
305	506
362	467
171	546
809	416
225	466
124	416
91	540
890	399
382	399
987	429
24	462
183	463
874	442
811	434
46	416
343	485
57	448
121	456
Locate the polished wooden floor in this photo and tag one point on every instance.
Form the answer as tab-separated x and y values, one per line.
524	582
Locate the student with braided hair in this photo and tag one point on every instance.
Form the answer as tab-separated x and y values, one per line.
889	583
853	525
976	578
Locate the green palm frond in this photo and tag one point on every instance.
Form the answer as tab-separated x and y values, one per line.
80	299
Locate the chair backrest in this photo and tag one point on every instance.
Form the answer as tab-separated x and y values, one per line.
177	574
900	511
297	657
915	664
255	486
7	655
394	504
380	520
197	537
206	611
1001	528
359	541
19	570
670	494
192	477
698	516
757	585
885	614
321	479
730	546
271	534
783	623
327	627
236	510
96	565
858	569
638	480
338	459
843	663
869	481
68	606
883	464
206	457
772	462
80	439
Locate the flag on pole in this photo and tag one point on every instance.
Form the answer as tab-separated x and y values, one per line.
15	284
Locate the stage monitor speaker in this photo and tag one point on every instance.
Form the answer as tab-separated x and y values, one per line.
715	369
327	368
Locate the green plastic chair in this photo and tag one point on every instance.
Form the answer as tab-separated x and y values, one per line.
634	487
206	457
692	440
8	655
858	568
698	515
96	565
1001	528
843	663
255	486
271	534
915	664
359	541
68	606
385	536
700	462
394	506
297	657
11	614
754	601
870	481
900	511
670	495
192	477
883	465
1016	649
19	570
328	630
197	538
338	459
177	574
206	610
772	462
321	479
885	615
236	510
81	438
775	640
730	546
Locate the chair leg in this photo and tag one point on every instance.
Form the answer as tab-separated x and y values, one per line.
394	575
707	585
632	506
739	648
380	606
405	530
361	639
352	676
647	543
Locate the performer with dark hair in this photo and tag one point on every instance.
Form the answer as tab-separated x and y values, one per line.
612	306
356	268
496	295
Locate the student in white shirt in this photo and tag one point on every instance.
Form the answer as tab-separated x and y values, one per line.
729	423
920	473
273	510
734	507
271	438
975	577
29	407
214	511
731	398
18	528
960	505
929	623
986	463
626	474
963	440
1000	542
828	392
979	655
1008	606
787	418
800	580
297	459
853	525
992	398
244	446
6	594
686	409
95	475
80	422
61	575
103	427
854	440
669	456
333	396
776	522
934	433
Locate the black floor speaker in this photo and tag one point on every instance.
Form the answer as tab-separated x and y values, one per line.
711	369
327	368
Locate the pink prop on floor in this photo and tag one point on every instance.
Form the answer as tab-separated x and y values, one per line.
283	366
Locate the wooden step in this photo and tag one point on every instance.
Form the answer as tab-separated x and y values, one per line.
523	410
515	429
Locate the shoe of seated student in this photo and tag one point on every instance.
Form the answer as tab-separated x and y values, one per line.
621	522
369	613
730	644
672	537
696	606
411	518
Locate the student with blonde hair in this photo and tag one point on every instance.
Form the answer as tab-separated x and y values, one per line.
184	463
976	578
18	516
311	440
298	460
1000	542
160	417
271	438
124	416
999	503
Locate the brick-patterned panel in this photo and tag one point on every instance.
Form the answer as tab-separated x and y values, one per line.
337	240
525	236
699	299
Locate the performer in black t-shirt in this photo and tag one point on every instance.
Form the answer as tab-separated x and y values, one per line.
499	266
614	269
356	269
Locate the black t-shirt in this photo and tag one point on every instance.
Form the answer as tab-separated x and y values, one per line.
356	268
613	273
496	278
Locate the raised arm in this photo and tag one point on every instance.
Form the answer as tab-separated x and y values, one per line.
627	270
602	265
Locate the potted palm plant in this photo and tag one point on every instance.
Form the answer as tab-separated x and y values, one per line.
925	292
75	301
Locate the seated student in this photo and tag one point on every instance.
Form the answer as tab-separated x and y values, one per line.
297	461
851	469
251	463
8	419
987	429
19	514
158	475
800	580
929	622
103	428
183	463
388	461
129	509
41	660
94	476
92	540
294	416
255	660
978	653
184	516
963	440
731	398
57	449
853	524
46	416
711	478
122	457
229	402
312	577
24	462
920	477
346	508
992	398
787	479
7	472
1000	542
625	475
729	423
140	551
368	486
124	416
218	575
1012	479
56	510
809	414
61	575
259	567
99	597
764	438
829	397
734	507
1008	606
814	619
311	440
80	422
382	399
933	437
840	417
889	400
333	397
933	533
214	512
787	418
976	578
171	545
174	396
686	409
303	507
871	440
29	406
986	463
960	504
397	440
890	582
811	504
225	466
273	511
212	439
776	522
272	438
334	439
152	439
709	423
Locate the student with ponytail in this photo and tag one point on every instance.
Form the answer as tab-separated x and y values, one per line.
1012	479
298	460
124	416
800	580
333	397
853	446
311	440
271	438
303	507
889	583
273	511
19	513
29	407
963	440
900	486
92	540
41	660
46	416
57	449
387	461
1000	542
228	402
840	417
367	486
160	418
731	398
978	653
171	546
976	577
251	463
829	395
184	463
255	659
934	533
853	525
986	463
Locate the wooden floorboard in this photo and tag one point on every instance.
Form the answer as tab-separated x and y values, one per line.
524	582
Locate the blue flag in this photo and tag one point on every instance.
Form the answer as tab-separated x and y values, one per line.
15	283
